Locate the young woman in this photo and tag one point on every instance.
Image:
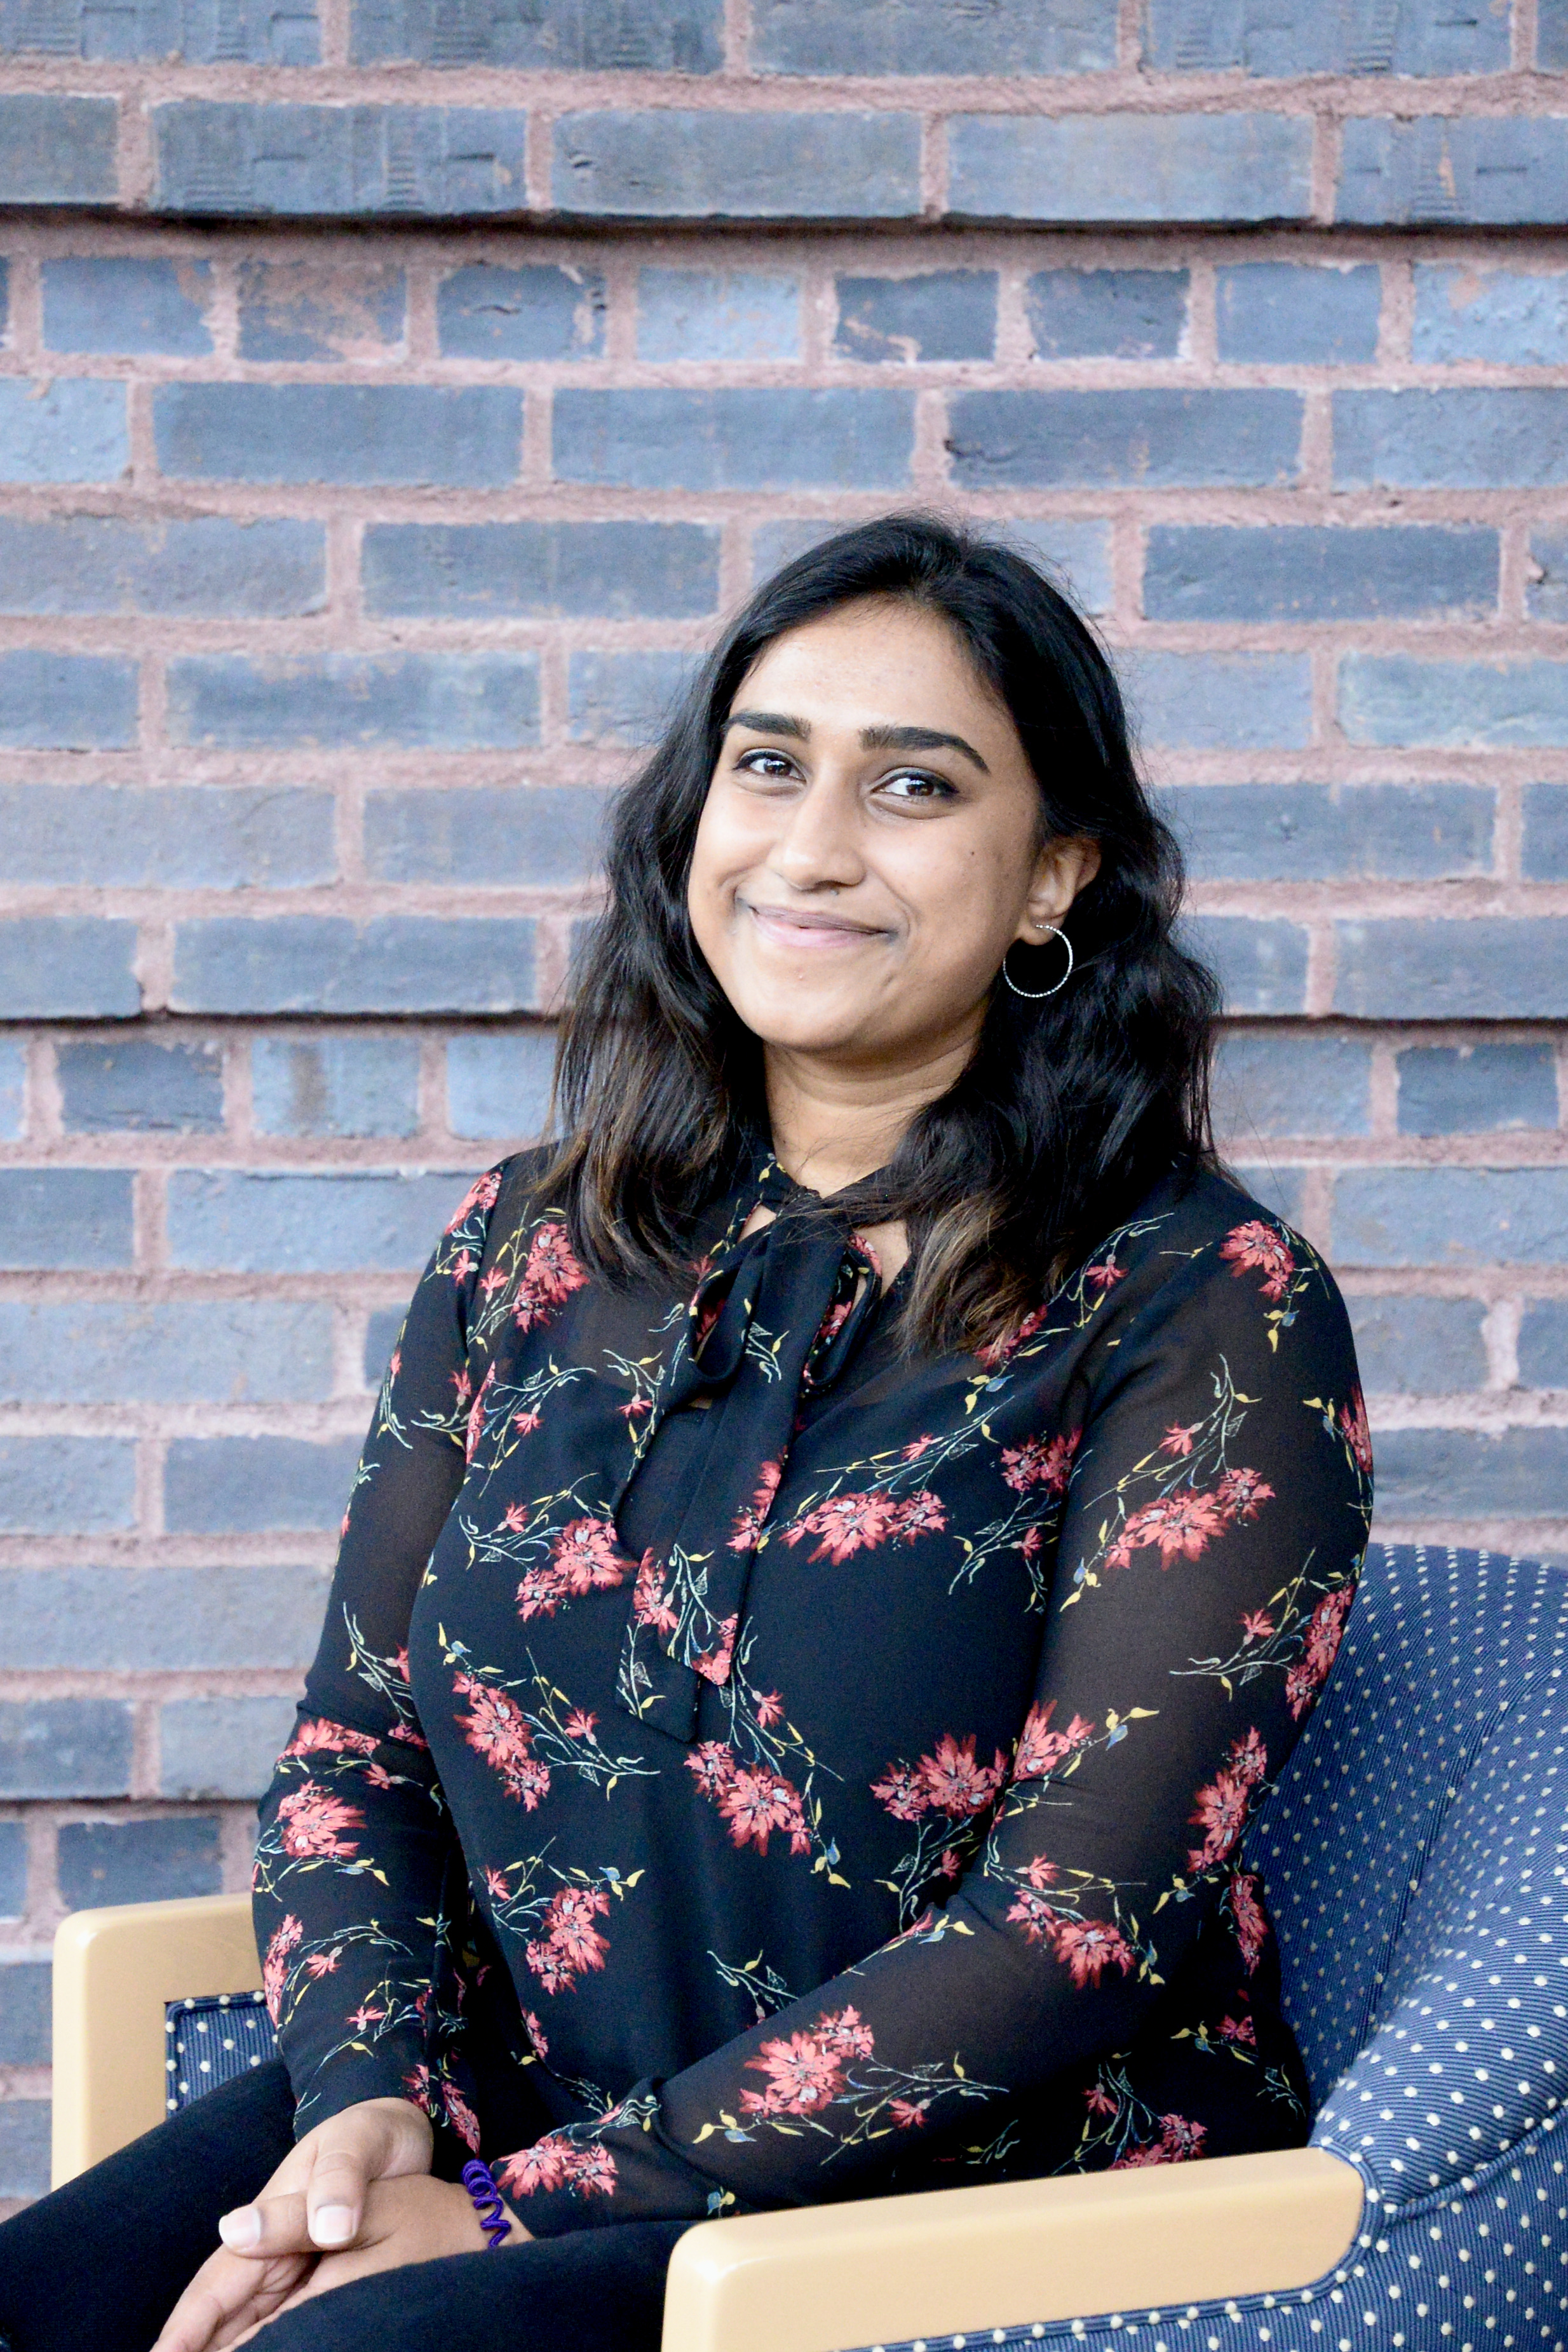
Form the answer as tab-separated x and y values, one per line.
844	1543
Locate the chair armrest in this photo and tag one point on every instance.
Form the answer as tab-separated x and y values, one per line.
969	2260
114	1970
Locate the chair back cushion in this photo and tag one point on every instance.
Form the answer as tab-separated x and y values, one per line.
213	2038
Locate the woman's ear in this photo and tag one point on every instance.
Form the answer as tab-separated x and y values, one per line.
1063	868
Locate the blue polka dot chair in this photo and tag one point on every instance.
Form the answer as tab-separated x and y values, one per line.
1416	1860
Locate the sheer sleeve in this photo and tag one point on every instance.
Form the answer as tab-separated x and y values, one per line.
356	1855
1215	1517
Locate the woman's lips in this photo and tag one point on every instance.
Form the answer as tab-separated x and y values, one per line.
796	928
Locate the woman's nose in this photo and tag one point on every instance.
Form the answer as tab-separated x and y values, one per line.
816	843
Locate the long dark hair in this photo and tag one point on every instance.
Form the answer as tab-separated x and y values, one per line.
1069	1109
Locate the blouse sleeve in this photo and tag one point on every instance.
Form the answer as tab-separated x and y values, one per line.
356	1845
1215	1518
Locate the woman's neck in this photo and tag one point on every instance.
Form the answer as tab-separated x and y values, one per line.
832	1127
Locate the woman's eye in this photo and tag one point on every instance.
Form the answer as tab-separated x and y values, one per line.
916	784
765	763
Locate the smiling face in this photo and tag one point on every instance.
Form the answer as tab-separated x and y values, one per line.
869	846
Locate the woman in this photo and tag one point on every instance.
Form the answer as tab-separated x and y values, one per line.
844	1545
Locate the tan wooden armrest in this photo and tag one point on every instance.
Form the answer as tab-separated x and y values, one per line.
114	1969
957	2261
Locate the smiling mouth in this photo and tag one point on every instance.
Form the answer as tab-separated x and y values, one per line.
794	927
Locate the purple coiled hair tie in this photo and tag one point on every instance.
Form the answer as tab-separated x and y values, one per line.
479	2182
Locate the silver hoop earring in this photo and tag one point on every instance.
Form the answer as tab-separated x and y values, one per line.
1037	994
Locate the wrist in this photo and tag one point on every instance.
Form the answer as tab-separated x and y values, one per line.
494	2221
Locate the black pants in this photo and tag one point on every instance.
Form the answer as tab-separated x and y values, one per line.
98	2266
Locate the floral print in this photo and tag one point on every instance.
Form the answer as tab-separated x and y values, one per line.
746	1762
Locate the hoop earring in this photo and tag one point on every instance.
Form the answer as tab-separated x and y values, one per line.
1037	993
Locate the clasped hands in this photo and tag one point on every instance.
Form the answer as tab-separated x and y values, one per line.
353	2197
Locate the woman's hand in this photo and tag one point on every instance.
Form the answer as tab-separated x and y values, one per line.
314	2201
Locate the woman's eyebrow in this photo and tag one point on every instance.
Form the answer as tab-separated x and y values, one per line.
770	722
918	739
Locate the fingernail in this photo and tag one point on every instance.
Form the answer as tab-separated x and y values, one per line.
240	2228
331	2224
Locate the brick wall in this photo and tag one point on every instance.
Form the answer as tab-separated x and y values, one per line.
343	559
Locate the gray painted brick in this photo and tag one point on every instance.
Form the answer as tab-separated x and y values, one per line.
1393	698
421	161
540	312
78	1218
380	1339
1284	312
1130	167
1419	1346
1545	852
713	314
24	2140
486	834
142	1351
1290	1085
1510	438
13	1084
191	836
1206	701
221	1747
1551	33
616	570
185	32
1075	554
932	37
939	314
1312	833
1457	1217
127	302
498	1085
456	437
1546	597
1460	1473
254	1222
57	150
138	1861
137	1084
1135	314
1277	1189
25	2013
1300	37
552	36
1511	317
321	310
1261	965
336	1086
625	698
1496	171
70	430
745	439
67	1486
1491	968
325	964
679	165
1543	1344
99	564
12	1870
1283	571
64	1748
434	701
160	1620
66	702
244	1485
1476	1089
1151	439
4	297
56	967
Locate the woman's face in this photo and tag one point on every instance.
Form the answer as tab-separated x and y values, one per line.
867	850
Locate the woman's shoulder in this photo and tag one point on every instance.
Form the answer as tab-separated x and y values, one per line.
1200	1236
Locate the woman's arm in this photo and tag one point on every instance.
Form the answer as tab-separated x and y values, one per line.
1215	1523
356	1846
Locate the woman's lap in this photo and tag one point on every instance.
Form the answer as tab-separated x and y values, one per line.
103	2260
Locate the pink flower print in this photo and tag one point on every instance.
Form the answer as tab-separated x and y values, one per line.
903	1791
1259	1248
1040	1750
1182	1525
770	1708
1036	1463
713	1765
591	2172
1222	1808
495	1886
1133	2159
996	1352
1098	2101
1087	1947
1239	2029
909	2114
637	1405
748	1521
1041	1872
516	1520
846	1525
1353	1428
541	2166
318	1735
714	1664
1104	1278
324	1964
1325	1630
950	1863
584	1558
1257	1626
462	2116
651	1605
570	1943
919	1514
379	1777
1243	1493
916	1447
365	2017
1182	2140
525	1423
954	1782
756	1802
476	1416
1178	1440
463	1385
496	1728
482	1193
313	1822
549	1277
581	1726
407	1733
806	2073
395	1366
536	2041
285	1939
492	1282
462	1265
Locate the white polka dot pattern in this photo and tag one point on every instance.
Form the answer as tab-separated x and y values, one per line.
1416	1855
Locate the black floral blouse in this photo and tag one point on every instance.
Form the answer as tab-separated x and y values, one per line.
748	1764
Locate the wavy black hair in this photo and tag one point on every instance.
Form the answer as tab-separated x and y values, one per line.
1069	1109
